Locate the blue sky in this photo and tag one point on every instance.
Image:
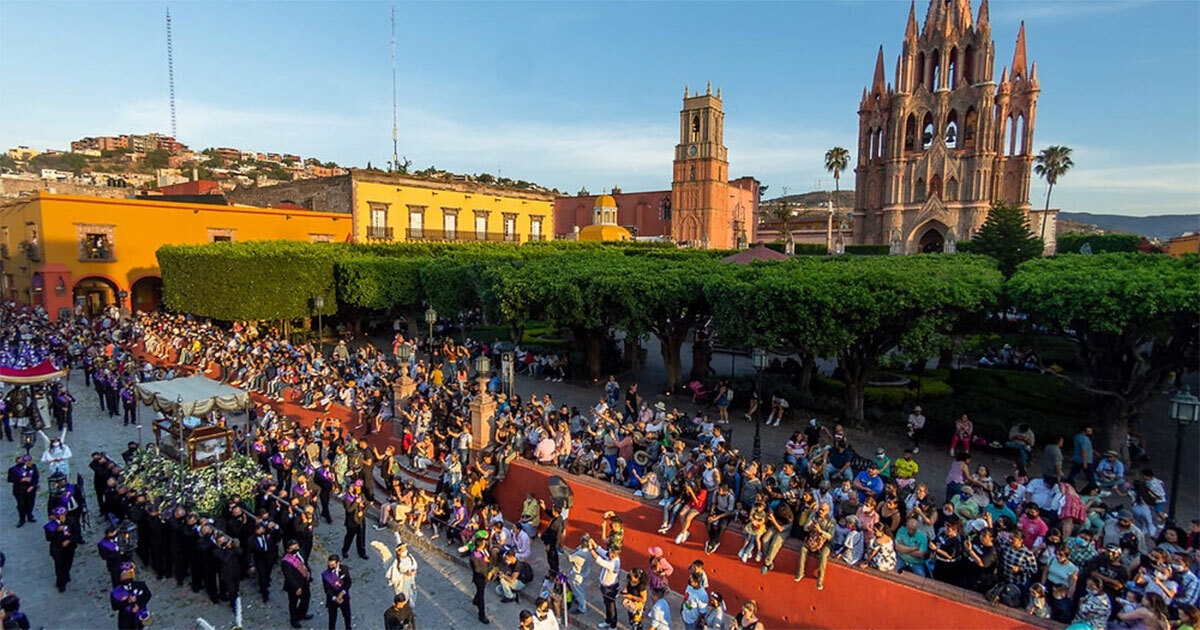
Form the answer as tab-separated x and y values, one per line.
575	94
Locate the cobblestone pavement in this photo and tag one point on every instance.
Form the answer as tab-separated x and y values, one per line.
444	588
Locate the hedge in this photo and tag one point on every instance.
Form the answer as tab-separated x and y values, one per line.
250	280
1101	243
888	398
869	250
800	249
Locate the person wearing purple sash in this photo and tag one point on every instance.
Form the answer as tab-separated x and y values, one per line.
62	547
111	554
336	580
24	479
323	478
297	583
129	598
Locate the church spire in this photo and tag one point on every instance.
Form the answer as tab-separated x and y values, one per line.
910	32
880	83
1018	62
984	20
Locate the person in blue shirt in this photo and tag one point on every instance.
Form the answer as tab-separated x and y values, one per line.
912	545
868	482
1083	458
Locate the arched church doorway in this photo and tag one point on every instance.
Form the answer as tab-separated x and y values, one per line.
147	294
931	242
94	294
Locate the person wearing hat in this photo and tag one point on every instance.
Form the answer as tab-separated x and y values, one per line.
336	581
916	428
481	573
24	479
62	546
1110	471
1115	530
130	598
297	583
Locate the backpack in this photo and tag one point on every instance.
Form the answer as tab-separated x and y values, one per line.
1007	594
525	572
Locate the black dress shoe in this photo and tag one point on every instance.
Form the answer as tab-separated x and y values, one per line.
308	616
21	524
363	556
484	619
295	624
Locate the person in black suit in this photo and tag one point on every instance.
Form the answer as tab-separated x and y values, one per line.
228	559
336	580
265	552
24	479
297	582
181	543
356	524
112	555
62	546
206	548
129	598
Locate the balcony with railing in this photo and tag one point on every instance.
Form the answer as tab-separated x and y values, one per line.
32	251
464	236
379	233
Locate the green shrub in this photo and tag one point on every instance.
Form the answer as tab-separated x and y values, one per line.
868	250
1025	390
1101	243
886	398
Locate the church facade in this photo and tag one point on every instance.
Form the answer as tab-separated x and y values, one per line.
939	147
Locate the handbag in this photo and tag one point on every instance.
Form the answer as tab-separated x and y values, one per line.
814	541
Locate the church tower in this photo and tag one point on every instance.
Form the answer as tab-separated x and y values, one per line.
938	148
700	215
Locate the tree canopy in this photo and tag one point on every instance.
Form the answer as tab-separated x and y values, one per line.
1133	318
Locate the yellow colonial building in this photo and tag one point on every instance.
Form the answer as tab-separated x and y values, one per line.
395	207
59	251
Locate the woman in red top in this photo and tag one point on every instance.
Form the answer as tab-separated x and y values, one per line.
697	497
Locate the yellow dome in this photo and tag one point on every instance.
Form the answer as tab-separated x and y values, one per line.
605	201
604	233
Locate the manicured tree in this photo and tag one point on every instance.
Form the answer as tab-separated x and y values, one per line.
250	280
875	305
1132	317
1005	237
384	283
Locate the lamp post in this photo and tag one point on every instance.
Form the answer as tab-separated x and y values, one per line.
760	363
318	303
483	411
1185	410
430	317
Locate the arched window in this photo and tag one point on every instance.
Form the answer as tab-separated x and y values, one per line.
927	131
998	137
951	189
935	70
919	190
693	172
1019	128
910	132
952	69
935	186
695	128
879	142
952	129
968	66
920	69
870	143
1012	135
968	132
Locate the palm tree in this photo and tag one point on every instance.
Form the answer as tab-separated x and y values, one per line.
837	160
1053	162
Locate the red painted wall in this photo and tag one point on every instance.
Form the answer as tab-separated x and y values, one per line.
852	598
639	209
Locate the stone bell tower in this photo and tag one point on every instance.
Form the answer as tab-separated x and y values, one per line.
700	184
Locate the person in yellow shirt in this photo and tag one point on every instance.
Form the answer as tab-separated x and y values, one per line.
905	469
436	377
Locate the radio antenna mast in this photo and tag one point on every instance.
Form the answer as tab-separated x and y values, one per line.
171	74
395	149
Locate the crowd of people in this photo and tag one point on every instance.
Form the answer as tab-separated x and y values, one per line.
1043	544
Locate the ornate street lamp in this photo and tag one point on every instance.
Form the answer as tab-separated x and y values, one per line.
431	317
759	357
483	365
404	352
1185	410
318	303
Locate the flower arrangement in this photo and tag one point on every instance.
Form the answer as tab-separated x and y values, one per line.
205	491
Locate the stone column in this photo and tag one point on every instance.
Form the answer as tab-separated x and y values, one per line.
483	421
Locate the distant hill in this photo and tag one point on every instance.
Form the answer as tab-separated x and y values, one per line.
1160	226
842	199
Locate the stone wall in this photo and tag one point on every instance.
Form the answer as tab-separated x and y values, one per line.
322	194
12	187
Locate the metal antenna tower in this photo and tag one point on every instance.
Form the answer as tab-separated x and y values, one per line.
395	149
171	74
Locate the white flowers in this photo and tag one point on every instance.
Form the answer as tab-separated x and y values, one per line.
205	490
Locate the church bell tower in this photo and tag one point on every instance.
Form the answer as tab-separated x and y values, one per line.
700	214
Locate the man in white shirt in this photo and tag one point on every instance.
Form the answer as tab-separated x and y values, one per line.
659	617
916	427
524	546
609	562
1044	493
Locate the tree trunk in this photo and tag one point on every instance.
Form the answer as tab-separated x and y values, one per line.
669	347
701	357
594	344
410	317
631	352
808	367
1112	423
854	401
856	371
1049	189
